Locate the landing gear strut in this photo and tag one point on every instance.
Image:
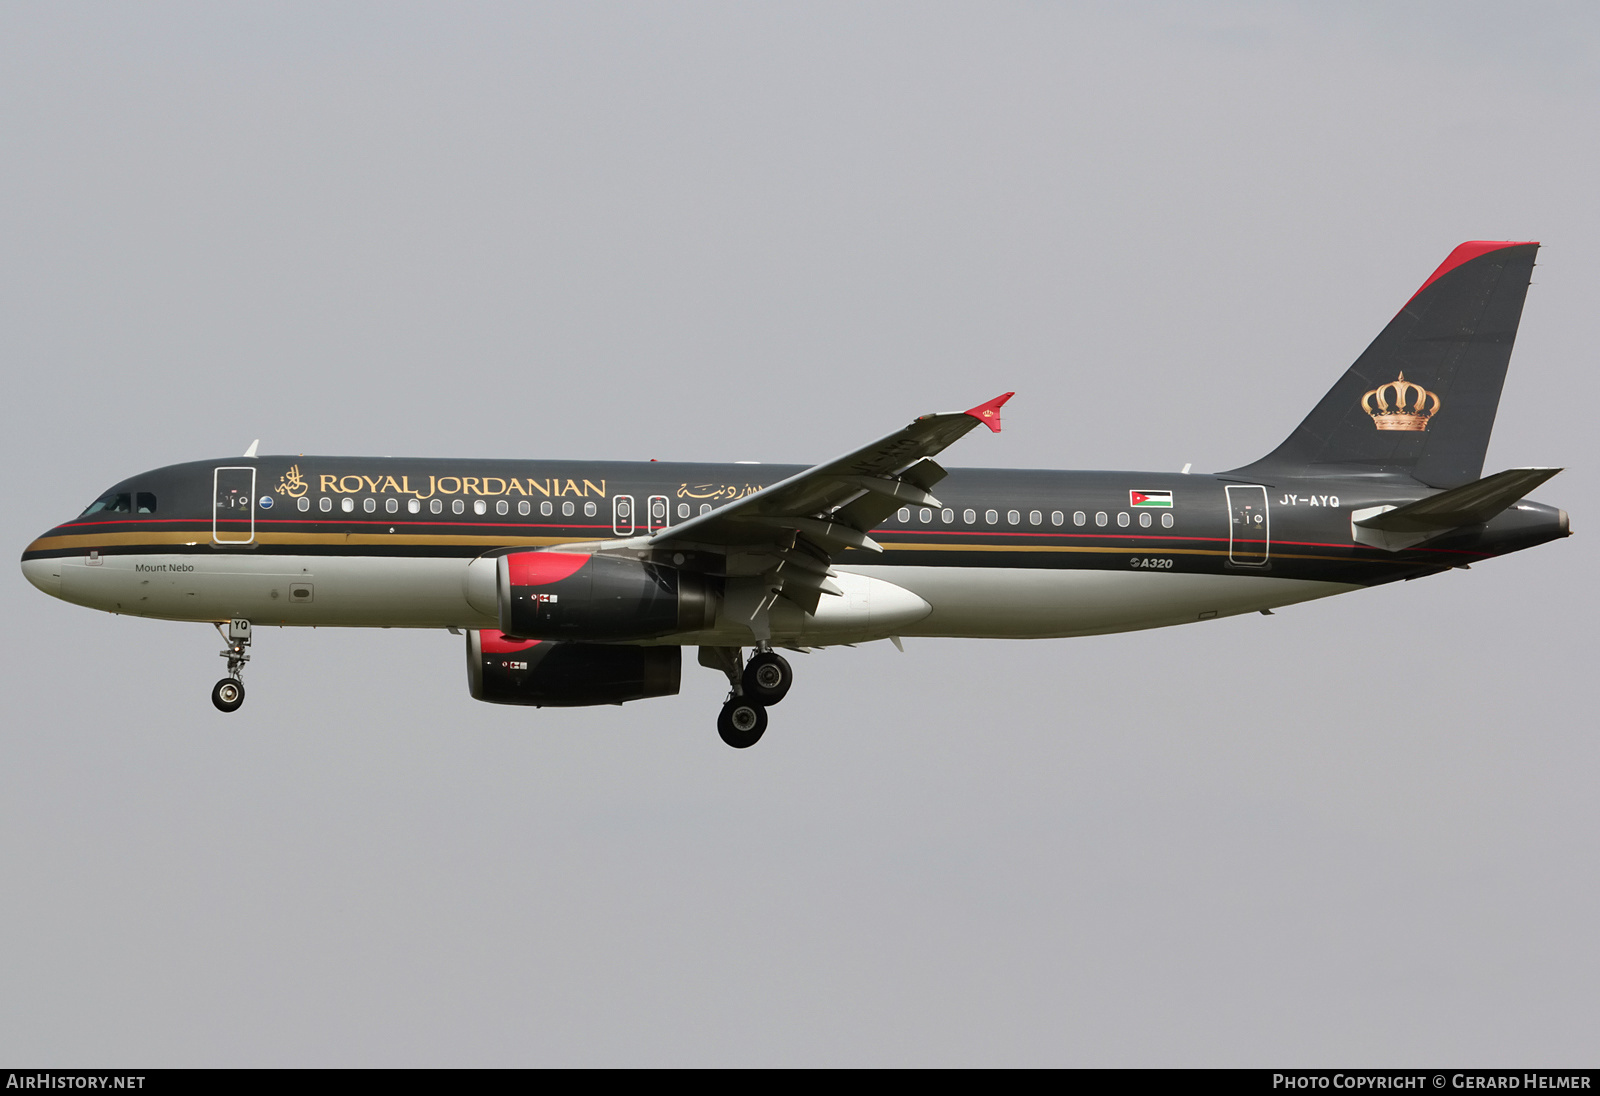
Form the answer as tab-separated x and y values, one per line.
753	687
228	694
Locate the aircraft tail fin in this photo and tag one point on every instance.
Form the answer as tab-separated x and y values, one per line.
1421	400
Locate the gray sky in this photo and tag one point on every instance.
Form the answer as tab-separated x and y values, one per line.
1360	831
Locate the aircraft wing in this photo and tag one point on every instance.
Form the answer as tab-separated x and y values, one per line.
791	531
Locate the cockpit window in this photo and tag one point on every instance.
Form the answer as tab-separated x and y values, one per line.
111	504
145	503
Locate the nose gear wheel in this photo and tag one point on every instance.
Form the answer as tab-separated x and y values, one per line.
228	694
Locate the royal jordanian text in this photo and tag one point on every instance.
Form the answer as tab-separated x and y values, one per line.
487	486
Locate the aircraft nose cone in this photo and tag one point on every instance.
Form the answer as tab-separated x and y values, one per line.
43	573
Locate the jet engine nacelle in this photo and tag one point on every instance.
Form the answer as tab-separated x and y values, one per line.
569	596
545	674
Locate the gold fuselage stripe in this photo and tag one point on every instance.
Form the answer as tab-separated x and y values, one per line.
88	541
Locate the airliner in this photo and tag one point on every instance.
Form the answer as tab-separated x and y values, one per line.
580	582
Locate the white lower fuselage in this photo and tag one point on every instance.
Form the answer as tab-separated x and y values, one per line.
879	601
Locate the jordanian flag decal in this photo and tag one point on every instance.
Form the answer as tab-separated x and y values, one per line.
1150	499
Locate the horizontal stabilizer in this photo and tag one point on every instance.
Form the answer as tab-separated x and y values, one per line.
1395	528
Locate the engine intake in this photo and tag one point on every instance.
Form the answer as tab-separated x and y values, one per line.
569	596
546	674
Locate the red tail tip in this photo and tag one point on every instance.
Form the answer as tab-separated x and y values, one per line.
1468	251
989	413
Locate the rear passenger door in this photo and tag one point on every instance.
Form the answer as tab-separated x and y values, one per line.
1249	526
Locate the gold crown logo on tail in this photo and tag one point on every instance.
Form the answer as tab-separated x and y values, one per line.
1401	405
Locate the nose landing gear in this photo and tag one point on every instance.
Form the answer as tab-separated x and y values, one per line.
228	694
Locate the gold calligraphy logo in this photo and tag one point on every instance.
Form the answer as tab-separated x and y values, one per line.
292	483
716	490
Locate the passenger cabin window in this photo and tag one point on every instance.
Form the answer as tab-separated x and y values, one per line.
683	509
392	505
904	515
369	505
413	506
1057	517
303	504
1144	520
347	505
705	508
567	509
480	507
969	516
458	507
324	504
110	504
1013	517
1100	518
926	515
991	516
947	516
590	510
1079	517
546	509
524	508
502	507
1122	519
436	506
1166	521
1034	517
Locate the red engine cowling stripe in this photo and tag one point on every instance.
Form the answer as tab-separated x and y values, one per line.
543	568
496	643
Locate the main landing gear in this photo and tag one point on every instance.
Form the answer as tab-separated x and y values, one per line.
228	694
754	687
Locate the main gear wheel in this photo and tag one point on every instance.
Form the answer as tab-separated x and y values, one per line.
767	678
742	722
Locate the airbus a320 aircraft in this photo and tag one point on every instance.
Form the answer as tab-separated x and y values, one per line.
581	582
